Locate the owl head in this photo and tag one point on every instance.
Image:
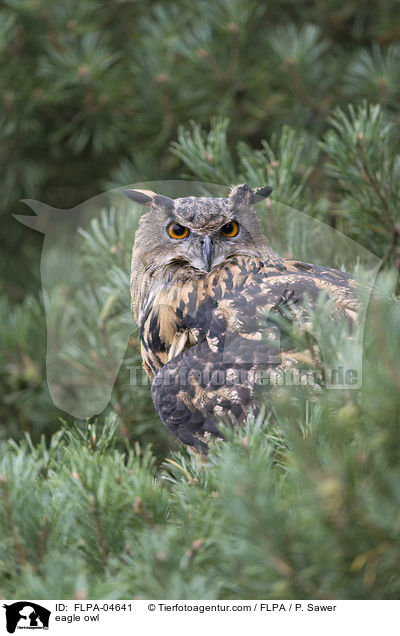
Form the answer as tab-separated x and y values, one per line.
198	233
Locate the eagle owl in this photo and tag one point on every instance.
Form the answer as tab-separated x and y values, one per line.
205	288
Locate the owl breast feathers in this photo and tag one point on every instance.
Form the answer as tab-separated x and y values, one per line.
207	291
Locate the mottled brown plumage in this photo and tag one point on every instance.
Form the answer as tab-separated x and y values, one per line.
207	304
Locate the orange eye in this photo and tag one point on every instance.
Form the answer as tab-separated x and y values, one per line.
230	229
178	231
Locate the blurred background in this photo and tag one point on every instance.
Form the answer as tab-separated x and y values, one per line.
95	95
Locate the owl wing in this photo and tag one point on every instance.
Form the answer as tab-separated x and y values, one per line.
339	285
227	333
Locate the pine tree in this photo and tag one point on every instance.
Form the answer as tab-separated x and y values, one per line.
301	503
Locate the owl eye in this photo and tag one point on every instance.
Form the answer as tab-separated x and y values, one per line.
230	229
178	231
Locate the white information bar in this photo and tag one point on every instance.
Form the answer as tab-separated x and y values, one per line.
175	618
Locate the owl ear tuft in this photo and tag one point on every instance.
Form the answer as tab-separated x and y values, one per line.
148	196
163	201
243	192
260	193
140	196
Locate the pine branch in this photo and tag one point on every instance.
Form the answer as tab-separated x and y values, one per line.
20	554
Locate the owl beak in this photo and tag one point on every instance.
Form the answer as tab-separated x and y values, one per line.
207	250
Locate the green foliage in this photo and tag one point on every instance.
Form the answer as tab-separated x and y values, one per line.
281	164
303	502
300	504
364	159
92	94
375	74
26	404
